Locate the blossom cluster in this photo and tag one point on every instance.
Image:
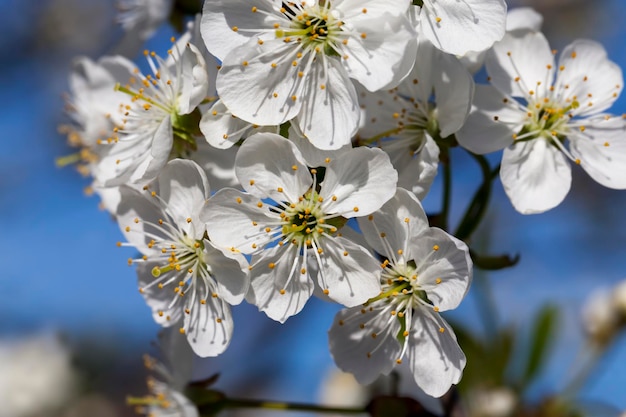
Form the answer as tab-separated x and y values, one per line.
281	150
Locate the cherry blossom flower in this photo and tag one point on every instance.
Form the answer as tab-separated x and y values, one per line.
295	60
404	120
157	115
458	27
299	236
544	113
426	271
140	19
173	373
182	275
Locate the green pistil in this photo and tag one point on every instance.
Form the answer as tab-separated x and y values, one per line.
548	121
391	292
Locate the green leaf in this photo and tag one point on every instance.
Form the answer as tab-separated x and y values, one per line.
542	337
491	262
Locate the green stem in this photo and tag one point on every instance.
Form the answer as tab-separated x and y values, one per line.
447	187
478	206
275	405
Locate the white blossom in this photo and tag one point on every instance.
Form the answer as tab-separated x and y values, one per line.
156	117
404	120
544	113
298	236
295	60
182	275
426	271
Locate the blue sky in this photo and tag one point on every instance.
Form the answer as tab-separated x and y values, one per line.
62	269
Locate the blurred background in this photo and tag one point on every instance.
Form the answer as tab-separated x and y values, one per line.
69	307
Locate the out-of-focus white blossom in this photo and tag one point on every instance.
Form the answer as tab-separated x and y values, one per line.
36	376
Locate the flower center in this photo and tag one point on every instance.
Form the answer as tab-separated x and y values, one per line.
304	221
187	254
314	27
546	119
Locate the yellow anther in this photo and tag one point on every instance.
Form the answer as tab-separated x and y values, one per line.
271	265
436	248
188	219
441	330
282	292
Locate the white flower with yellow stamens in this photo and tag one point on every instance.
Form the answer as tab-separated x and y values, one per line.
285	60
300	232
157	116
426	271
404	120
181	273
536	107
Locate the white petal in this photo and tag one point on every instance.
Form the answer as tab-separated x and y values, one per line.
435	357
459	27
218	164
356	350
229	270
209	326
348	271
266	162
183	188
454	88
378	110
382	50
137	216
536	176
221	129
358	182
492	122
195	80
219	17
523	19
601	149
400	218
592	79
178	355
281	290
158	299
527	59
426	162
257	82
329	115
230	218
445	273
314	156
